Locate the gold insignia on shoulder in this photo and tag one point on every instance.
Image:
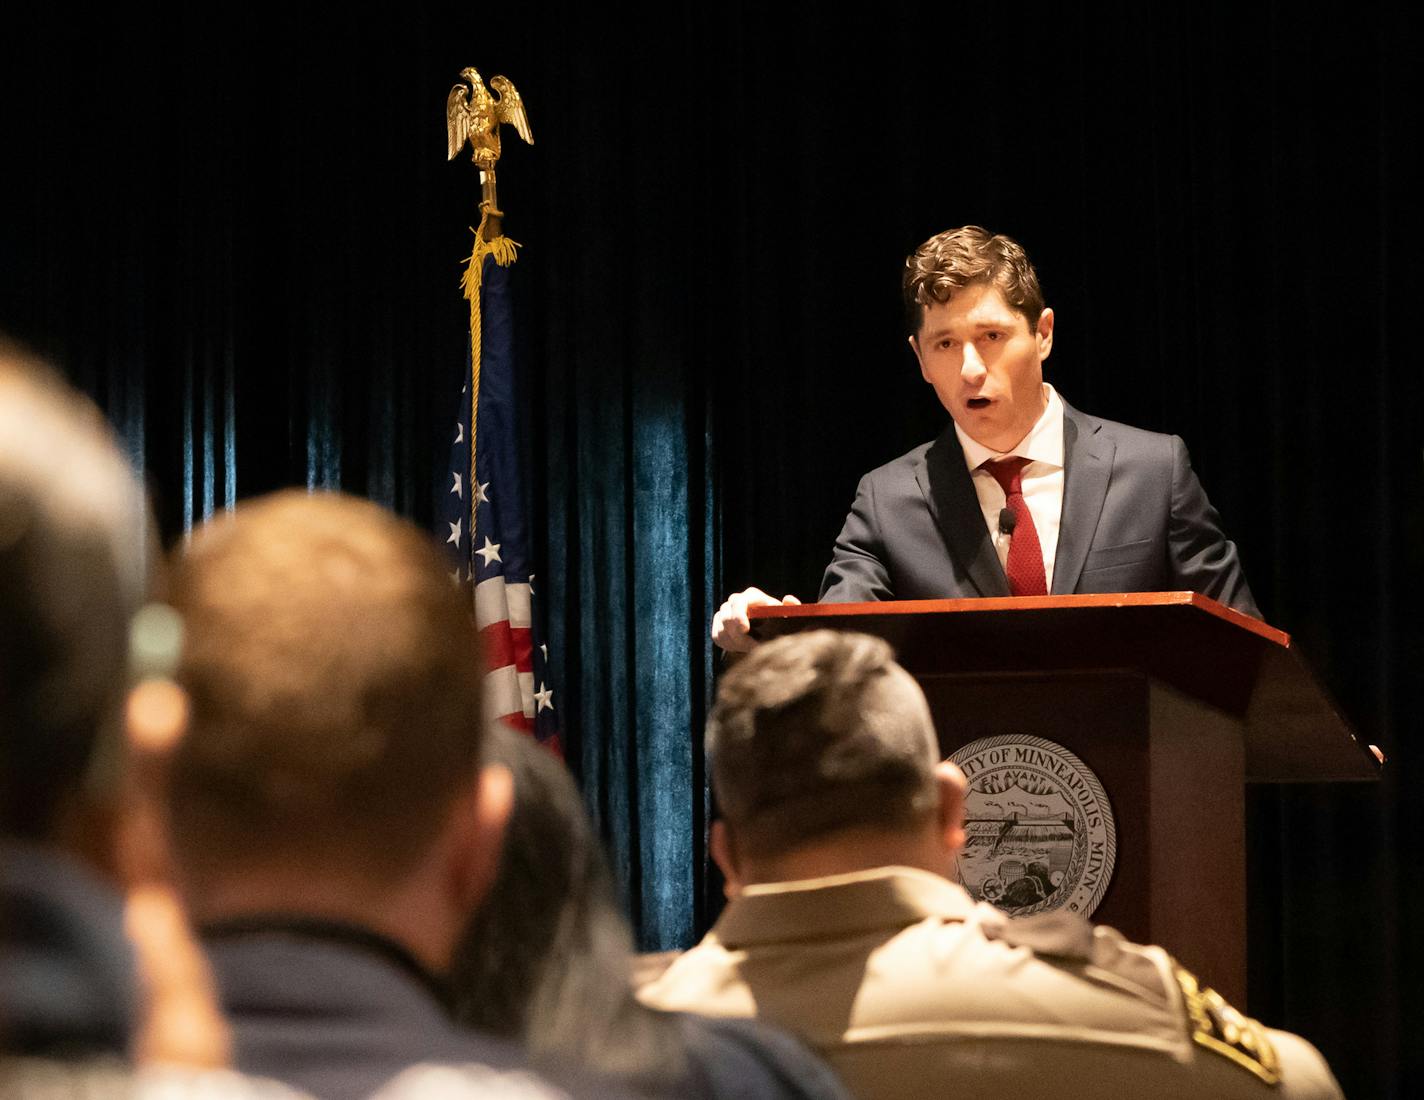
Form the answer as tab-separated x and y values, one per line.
1220	1028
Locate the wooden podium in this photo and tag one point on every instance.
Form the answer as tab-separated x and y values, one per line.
1173	700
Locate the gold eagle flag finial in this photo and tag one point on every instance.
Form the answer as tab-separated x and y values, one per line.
473	115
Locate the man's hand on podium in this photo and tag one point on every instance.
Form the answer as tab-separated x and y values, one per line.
731	628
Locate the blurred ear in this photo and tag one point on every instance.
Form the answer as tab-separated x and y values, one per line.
156	716
483	813
952	787
724	854
155	723
110	822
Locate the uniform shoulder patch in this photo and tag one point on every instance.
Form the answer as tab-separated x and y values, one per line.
1221	1029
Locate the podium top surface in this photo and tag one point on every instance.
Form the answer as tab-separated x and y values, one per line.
1187	641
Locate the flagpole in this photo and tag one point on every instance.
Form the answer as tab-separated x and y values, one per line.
473	116
498	573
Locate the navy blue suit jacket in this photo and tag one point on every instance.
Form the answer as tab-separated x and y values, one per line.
1135	519
339	1013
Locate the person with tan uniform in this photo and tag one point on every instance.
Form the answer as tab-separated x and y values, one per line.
838	840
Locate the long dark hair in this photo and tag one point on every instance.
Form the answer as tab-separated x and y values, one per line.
547	961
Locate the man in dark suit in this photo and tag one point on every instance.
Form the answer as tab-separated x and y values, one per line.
1022	494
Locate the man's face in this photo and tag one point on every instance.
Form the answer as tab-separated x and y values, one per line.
985	363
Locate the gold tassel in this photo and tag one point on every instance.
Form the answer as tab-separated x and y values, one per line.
504	252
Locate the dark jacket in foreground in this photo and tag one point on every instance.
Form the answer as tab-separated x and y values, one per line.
344	1015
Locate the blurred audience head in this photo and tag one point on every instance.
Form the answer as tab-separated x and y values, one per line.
77	562
75	556
821	738
334	763
547	960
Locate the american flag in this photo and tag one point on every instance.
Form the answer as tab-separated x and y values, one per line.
495	561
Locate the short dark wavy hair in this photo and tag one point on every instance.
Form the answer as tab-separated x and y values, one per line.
957	258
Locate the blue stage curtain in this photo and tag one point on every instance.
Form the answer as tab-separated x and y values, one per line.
242	237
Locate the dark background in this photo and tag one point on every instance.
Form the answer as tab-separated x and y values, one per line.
237	230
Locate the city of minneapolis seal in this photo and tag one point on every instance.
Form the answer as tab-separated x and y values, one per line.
1039	832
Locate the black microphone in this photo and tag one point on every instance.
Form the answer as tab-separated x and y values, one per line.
1007	520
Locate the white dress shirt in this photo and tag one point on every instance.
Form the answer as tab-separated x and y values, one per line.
1042	481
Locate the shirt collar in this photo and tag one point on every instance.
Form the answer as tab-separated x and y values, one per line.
300	927
1044	442
839	905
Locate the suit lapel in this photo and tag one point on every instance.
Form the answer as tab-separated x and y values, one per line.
1087	469
949	492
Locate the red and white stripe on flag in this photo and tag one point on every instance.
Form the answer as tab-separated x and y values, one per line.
502	615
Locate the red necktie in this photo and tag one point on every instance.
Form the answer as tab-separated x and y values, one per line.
1025	568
